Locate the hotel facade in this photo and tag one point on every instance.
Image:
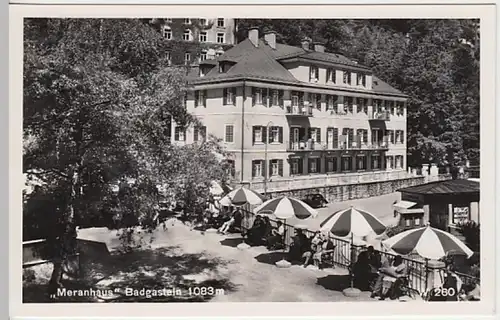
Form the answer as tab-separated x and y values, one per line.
297	117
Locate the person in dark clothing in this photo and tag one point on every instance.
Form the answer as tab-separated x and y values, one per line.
275	239
254	235
301	244
366	267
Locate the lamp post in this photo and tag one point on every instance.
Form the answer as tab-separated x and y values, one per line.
266	171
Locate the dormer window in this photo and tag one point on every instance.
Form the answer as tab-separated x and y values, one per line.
361	80
187	35
167	32
346	75
331	76
187	21
313	74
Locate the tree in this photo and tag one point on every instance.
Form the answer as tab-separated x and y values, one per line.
95	108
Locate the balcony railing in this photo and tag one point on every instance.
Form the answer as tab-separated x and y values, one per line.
302	146
299	111
380	115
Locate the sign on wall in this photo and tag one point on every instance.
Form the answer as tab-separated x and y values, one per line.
460	214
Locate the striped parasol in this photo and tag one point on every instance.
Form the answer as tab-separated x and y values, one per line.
428	242
352	221
285	208
241	196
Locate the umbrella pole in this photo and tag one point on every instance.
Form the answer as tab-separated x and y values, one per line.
351	291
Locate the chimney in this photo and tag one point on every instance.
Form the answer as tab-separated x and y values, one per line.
319	47
270	37
306	43
253	35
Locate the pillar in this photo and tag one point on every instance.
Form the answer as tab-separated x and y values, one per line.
426	214
474	211
434	170
434	270
425	170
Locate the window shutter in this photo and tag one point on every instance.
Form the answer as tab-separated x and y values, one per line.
328	74
310	73
365	136
402	138
280	134
205	98
280	97
254	128
271	168
351	136
280	167
309	133
301	99
302	134
291	137
335	103
225	96
318	165
196	97
335	137
264	134
264	167
253	168
195	133
318	135
203	133
265	98
254	94
176	134
233	97
301	166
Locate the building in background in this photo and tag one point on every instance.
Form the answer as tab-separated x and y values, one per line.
195	39
298	117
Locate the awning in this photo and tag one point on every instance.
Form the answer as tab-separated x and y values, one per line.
404	204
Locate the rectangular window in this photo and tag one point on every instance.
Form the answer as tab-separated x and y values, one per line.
199	133
331	164
274	134
407	222
203	22
187	58
276	168
257	168
377	105
417	222
332	102
375	136
313	74
331	76
220	22
230	96
220	37
295	99
275	98
314	165
168	55
375	162
361	80
346	76
203	55
200	97
187	21
389	162
315	100
295	166
258	96
229	133
349	104
257	134
179	134
168	20
346	163
361	162
186	36
315	135
231	168
167	33
203	36
362	105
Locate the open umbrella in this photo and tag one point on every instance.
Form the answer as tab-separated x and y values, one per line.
428	242
242	196
216	189
352	222
285	208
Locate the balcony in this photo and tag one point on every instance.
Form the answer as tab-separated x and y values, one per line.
382	115
357	143
301	146
299	111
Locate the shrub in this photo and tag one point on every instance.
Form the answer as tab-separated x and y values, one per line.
471	233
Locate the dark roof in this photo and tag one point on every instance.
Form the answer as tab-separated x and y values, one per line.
262	63
383	87
209	62
446	187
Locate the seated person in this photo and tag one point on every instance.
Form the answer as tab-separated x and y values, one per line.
323	248
254	234
389	277
228	223
366	267
238	218
300	247
276	237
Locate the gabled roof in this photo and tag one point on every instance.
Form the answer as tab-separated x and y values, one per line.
380	86
446	187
